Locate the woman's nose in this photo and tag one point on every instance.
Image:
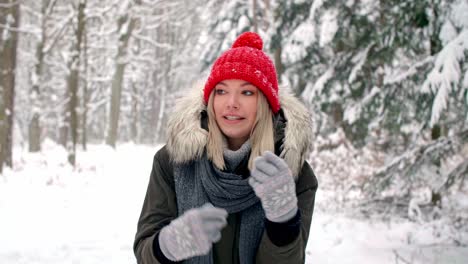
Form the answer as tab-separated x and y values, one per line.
233	102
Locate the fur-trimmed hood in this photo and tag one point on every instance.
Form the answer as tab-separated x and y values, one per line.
187	139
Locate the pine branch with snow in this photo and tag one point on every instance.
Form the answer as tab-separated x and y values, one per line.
419	167
446	76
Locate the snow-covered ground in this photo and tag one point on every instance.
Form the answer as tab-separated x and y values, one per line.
51	213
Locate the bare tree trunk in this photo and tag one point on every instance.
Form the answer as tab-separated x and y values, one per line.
278	64
135	119
162	106
9	16
267	14
154	109
73	82
254	15
84	114
63	127
134	129
435	42
34	133
117	80
435	47
164	34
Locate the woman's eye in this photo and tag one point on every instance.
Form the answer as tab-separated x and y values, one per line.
220	91
248	93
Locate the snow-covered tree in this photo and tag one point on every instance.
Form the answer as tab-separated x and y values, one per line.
390	74
424	165
340	58
233	18
447	82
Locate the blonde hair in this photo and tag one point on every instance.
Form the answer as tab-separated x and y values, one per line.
261	135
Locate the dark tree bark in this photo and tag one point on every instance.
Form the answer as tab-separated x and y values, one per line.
9	16
73	83
34	129
117	80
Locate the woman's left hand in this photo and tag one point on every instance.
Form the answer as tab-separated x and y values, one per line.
273	183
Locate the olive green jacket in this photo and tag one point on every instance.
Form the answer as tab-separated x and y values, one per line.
187	140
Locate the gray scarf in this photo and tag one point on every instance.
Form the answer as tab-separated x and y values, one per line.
199	182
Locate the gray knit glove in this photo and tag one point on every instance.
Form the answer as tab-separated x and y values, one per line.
273	183
193	233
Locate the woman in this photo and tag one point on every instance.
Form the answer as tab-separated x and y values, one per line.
232	184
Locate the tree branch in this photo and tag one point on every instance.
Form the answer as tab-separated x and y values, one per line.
398	257
18	30
152	42
58	33
9	5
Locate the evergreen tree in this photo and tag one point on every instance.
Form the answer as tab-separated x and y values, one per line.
233	18
345	65
391	74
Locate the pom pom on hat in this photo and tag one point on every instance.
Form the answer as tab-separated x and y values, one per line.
246	61
248	39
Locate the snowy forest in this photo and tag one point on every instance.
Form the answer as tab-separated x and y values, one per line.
386	83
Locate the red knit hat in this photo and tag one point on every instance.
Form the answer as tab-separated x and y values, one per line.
246	61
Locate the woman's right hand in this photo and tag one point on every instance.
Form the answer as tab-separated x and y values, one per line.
193	233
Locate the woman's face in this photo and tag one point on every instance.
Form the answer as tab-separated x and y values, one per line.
235	107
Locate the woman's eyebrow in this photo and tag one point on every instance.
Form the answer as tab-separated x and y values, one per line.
246	84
